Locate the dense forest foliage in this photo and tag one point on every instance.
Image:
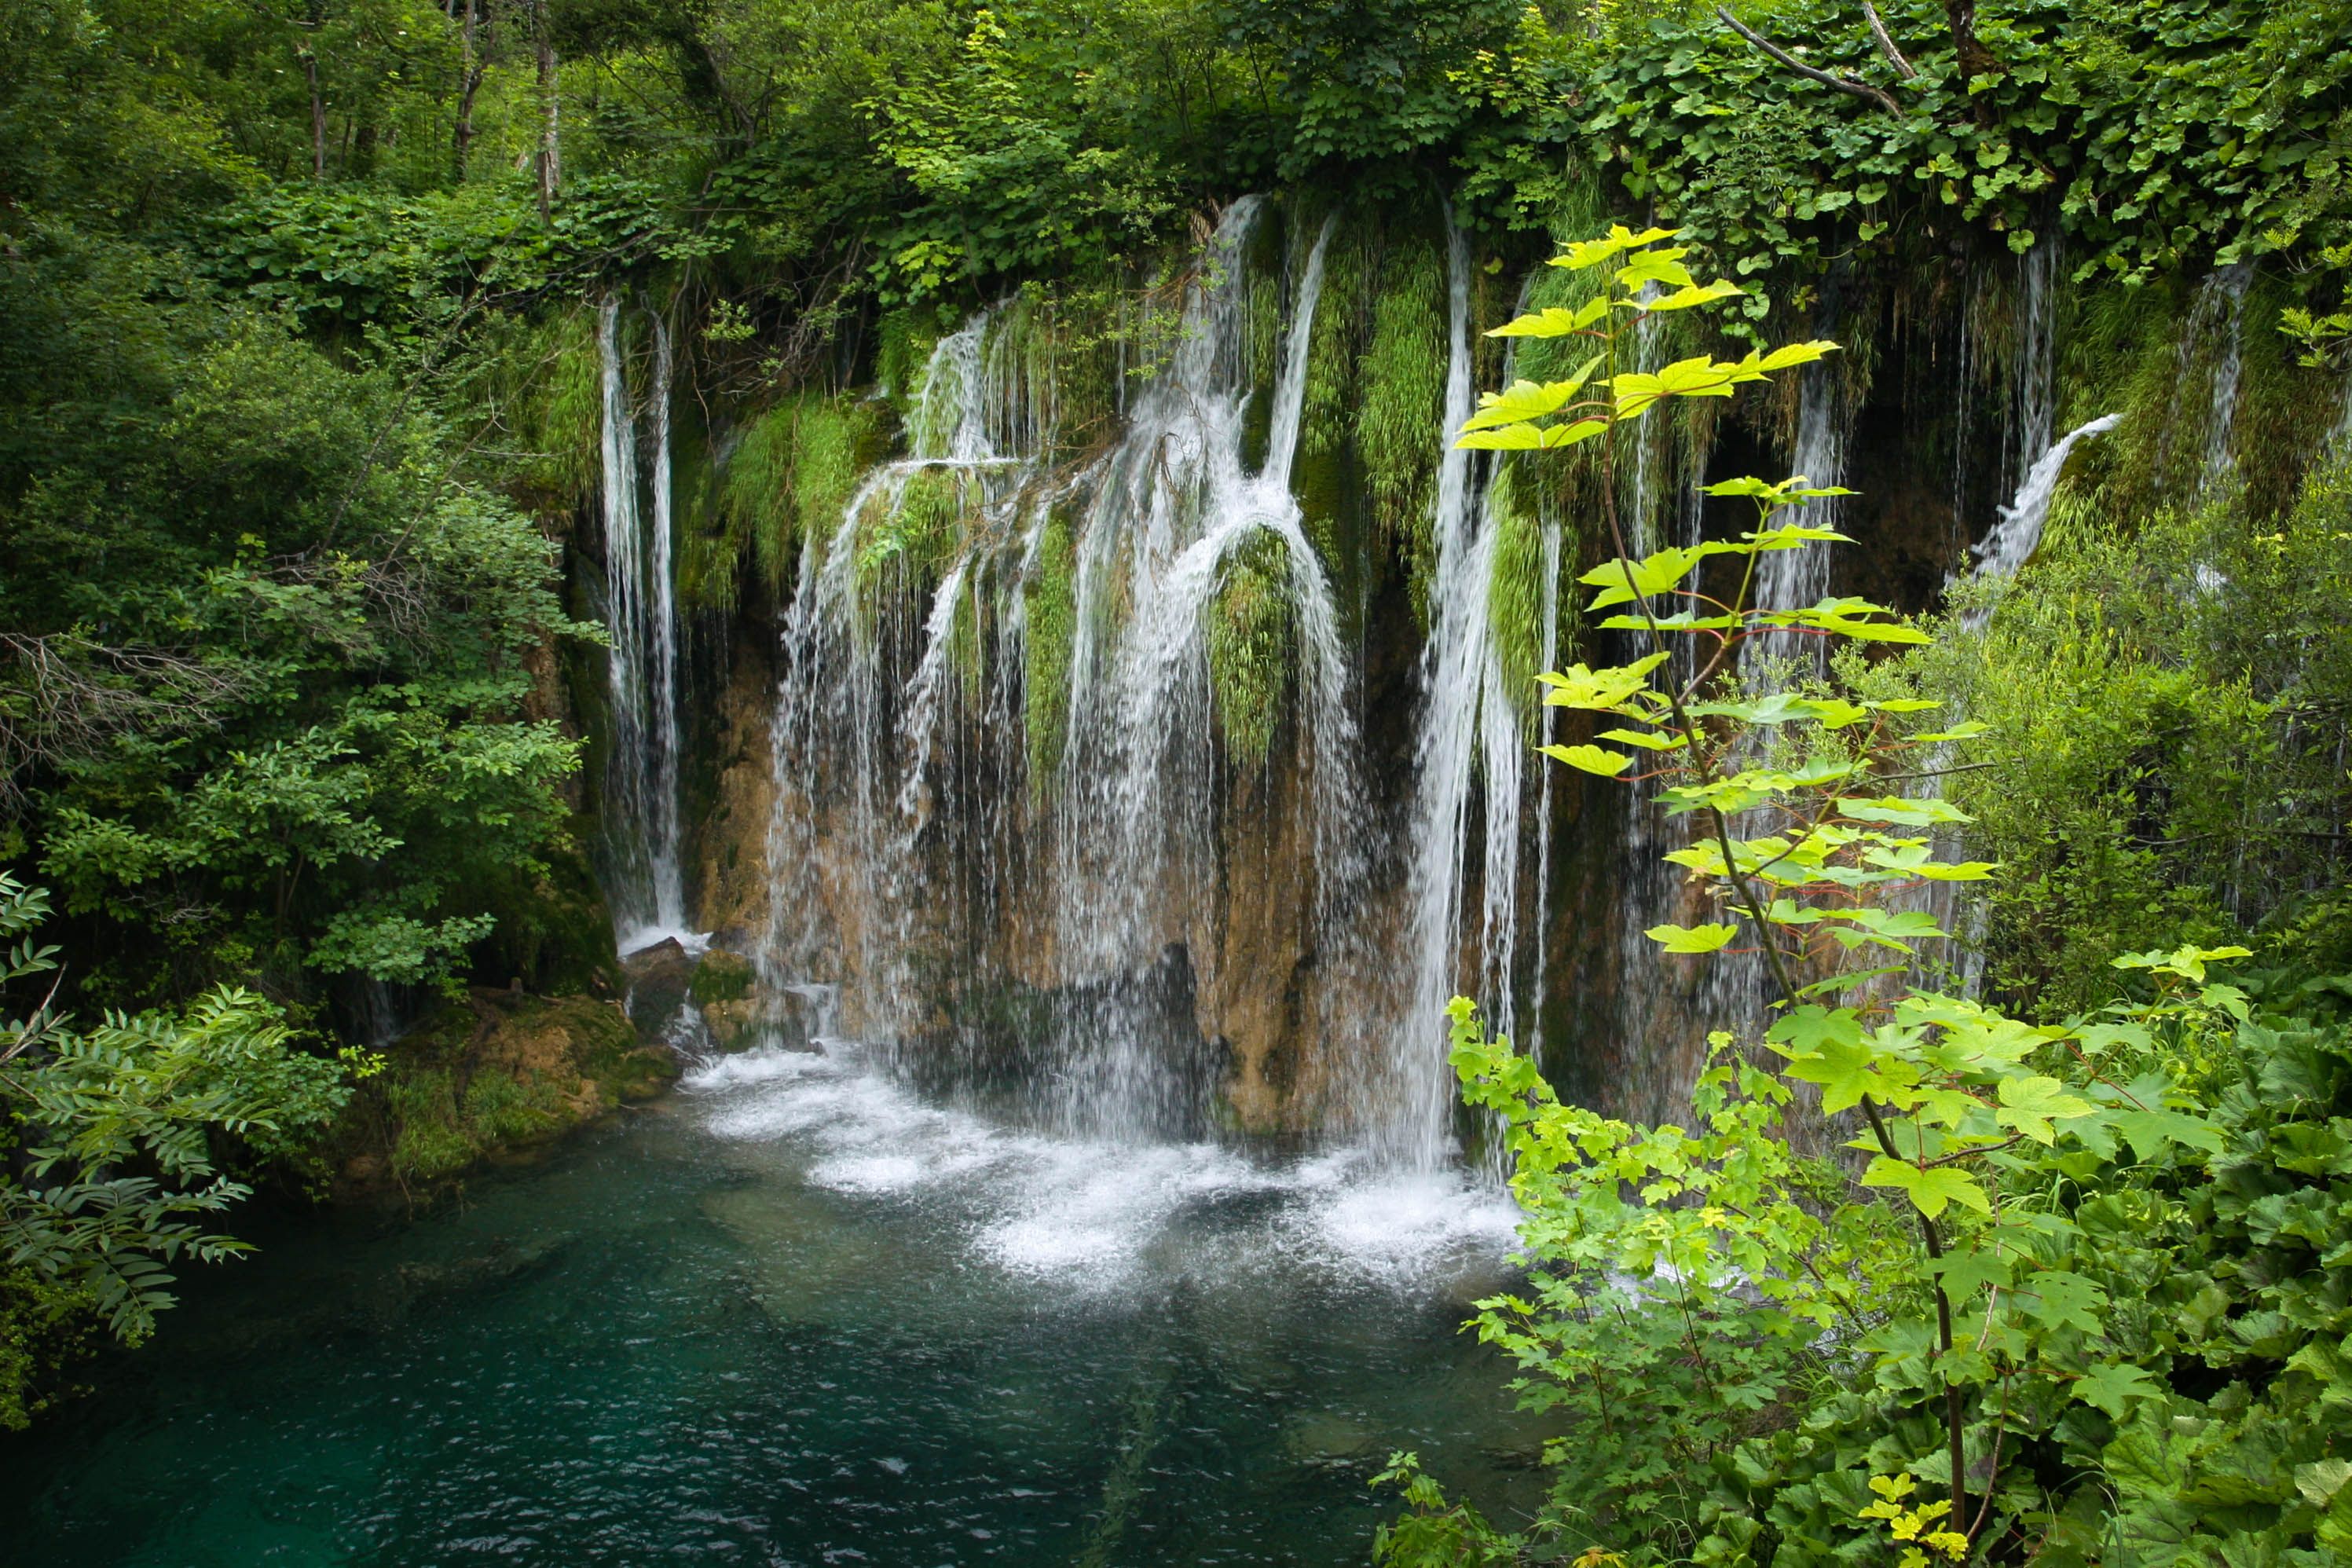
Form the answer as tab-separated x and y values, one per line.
298	414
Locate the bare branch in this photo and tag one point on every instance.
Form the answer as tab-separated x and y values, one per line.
1861	90
1886	44
64	699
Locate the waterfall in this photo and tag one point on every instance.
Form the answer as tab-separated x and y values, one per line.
2037	334
2216	326
2003	554
1800	578
2229	289
2013	539
1468	725
907	822
647	891
1136	850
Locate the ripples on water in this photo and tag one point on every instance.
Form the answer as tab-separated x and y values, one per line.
794	1315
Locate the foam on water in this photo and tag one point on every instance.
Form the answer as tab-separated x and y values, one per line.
1093	1215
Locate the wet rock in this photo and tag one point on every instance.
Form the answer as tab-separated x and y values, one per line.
761	1019
661	978
722	976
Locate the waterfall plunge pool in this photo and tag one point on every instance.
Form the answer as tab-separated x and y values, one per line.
794	1315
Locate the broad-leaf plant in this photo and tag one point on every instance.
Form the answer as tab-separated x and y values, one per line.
1689	1288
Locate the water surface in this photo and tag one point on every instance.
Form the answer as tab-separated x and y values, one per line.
792	1315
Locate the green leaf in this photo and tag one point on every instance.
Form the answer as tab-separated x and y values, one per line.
1923	812
1557	322
2114	1387
1525	400
1530	438
1647	742
1590	759
1692	939
2058	1299
1931	1192
2148	1131
1966	1271
1585	253
1603	690
1697	294
2030	1103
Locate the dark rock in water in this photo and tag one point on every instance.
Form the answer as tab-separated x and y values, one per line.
660	979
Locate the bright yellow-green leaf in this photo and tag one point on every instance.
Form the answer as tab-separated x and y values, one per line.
1532	439
2029	1103
1661	266
1692	939
1557	322
1787	354
1599	689
1932	1190
1924	812
1590	759
1646	741
1586	253
1697	294
1525	400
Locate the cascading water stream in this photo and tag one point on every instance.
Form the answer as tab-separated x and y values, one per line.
1999	557
2226	293
2036	393
647	894
1467	724
2013	539
1170	505
1795	579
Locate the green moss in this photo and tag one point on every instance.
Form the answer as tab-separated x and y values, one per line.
1052	628
721	976
904	340
538	391
1398	433
919	536
1250	647
498	1110
454	1092
789	478
968	636
1329	501
431	1141
1515	587
2285	411
755	493
1334	342
1265	365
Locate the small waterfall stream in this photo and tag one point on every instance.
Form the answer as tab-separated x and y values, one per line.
647	890
2013	541
1794	579
2223	296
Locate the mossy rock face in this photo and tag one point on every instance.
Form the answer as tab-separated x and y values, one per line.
489	1079
721	976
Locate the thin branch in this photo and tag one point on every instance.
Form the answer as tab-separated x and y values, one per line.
1887	45
1861	90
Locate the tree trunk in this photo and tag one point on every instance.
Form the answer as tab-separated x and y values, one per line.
318	112
469	81
1975	60
551	150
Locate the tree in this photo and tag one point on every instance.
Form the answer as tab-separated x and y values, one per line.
111	1155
